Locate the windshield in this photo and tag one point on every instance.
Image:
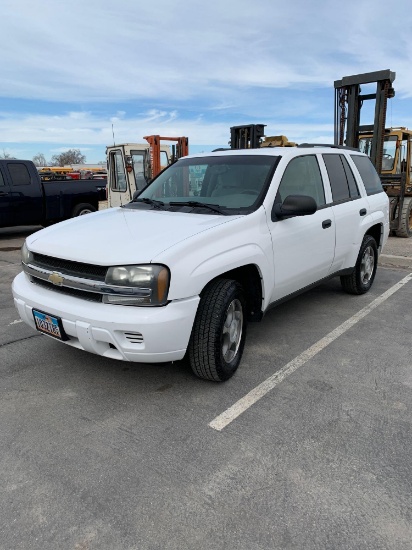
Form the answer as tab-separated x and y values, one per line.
232	182
389	150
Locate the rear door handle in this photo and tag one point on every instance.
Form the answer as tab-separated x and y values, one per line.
326	224
362	212
3	194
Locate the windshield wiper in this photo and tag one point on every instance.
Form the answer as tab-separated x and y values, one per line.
198	204
155	204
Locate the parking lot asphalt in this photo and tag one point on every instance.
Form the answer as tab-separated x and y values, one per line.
102	454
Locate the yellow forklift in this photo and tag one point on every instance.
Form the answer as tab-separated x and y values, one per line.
390	149
395	175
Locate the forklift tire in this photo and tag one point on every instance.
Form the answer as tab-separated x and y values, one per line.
405	222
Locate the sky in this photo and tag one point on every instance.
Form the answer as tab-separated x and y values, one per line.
83	74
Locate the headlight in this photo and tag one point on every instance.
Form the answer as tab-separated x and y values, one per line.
26	255
150	284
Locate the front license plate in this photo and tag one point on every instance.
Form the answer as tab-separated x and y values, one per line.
48	324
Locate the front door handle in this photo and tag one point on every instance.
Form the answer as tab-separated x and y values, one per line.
326	224
3	194
362	212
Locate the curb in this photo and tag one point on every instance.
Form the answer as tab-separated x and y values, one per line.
390	260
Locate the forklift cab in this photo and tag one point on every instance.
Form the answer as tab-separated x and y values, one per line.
128	170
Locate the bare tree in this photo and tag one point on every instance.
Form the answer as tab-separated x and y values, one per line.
72	156
40	160
6	155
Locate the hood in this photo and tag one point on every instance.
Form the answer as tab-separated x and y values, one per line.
119	236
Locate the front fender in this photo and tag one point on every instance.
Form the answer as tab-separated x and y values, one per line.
200	259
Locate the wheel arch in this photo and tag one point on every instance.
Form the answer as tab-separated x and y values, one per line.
250	278
376	231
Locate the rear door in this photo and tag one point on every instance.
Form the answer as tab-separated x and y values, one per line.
6	216
349	207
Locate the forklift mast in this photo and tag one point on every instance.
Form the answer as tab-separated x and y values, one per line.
348	104
181	149
248	136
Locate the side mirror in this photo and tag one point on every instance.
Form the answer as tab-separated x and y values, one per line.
294	205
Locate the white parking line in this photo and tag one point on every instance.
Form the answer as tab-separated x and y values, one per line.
257	393
15	322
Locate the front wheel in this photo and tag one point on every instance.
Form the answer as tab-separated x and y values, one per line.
362	277
219	331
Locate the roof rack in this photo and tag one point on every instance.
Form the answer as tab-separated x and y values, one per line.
327	145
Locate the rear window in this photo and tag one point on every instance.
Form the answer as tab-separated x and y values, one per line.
368	174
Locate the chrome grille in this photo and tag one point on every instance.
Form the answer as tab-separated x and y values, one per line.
91	296
67	267
85	281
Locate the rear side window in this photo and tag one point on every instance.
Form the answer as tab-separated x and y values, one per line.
341	178
19	173
1	179
368	174
353	186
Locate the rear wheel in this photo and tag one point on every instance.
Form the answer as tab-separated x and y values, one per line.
219	331
405	224
362	277
82	209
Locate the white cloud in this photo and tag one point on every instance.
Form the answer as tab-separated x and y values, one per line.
190	68
102	51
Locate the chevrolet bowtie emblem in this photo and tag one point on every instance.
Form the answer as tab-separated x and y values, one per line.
56	279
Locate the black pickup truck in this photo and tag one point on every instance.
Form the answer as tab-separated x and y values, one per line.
26	200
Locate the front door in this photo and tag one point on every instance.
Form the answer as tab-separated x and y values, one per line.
303	246
26	193
6	217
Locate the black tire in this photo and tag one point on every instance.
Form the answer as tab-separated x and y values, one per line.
362	277
215	348
405	223
82	209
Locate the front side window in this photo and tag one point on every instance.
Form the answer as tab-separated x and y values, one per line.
2	182
368	174
19	173
230	182
118	175
302	177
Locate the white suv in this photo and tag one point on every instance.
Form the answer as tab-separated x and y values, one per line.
212	243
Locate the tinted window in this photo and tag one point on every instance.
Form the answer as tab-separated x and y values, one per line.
19	173
337	177
353	186
1	179
302	177
368	174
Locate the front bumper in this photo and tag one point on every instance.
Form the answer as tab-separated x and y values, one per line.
139	334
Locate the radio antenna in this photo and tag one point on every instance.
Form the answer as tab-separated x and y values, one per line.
114	143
